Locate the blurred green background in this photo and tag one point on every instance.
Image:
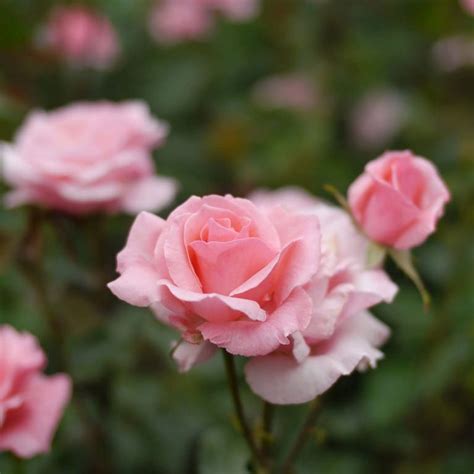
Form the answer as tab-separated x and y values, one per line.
133	413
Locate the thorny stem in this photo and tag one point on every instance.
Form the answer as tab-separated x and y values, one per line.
314	410
246	431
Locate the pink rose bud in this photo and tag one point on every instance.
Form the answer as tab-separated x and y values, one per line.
398	200
31	404
222	271
81	36
88	157
173	21
342	335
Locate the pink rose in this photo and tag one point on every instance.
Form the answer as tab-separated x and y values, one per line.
31	404
398	199
468	6
377	118
81	36
237	10
290	91
173	21
341	335
88	157
223	271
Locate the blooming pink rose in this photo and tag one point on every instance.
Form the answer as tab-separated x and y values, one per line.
88	157
81	36
224	271
398	199
31	404
173	21
291	91
341	335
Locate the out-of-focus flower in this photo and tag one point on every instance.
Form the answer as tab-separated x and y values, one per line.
453	52
377	118
173	21
81	36
31	404
223	272
88	157
468	6
341	335
236	10
398	200
290	91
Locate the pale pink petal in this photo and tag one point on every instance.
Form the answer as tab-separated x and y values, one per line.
150	194
214	307
188	355
278	378
223	266
252	338
28	431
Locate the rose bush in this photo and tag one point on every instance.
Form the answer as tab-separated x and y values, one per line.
88	157
398	199
31	404
223	271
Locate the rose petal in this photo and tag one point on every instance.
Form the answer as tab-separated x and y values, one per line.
188	355
278	378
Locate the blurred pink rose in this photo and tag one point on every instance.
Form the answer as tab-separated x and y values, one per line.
291	91
31	404
453	52
468	6
173	21
377	118
88	157
398	199
222	271
81	36
236	10
341	335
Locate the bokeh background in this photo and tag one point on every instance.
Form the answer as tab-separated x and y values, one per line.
378	74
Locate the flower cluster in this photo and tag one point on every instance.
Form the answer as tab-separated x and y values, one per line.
281	278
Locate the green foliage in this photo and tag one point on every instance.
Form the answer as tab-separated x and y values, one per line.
133	412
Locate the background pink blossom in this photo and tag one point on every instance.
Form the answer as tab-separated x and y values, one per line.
31	404
81	36
88	157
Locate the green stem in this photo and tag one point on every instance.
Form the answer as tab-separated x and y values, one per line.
267	425
239	410
300	441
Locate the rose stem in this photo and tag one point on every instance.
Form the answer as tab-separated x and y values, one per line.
314	410
267	422
246	431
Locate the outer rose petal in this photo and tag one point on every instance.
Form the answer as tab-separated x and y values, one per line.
150	194
213	306
188	355
137	284
280	379
30	429
253	338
